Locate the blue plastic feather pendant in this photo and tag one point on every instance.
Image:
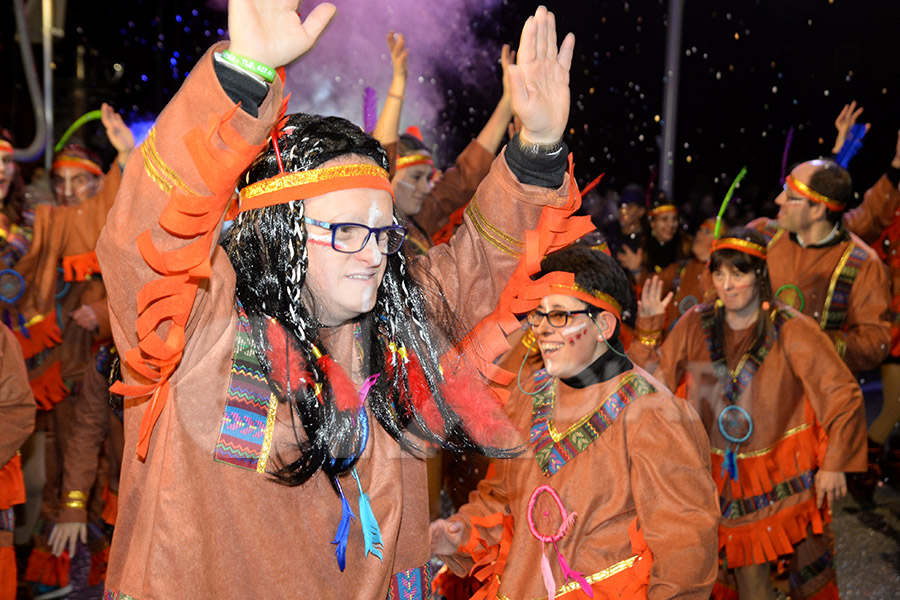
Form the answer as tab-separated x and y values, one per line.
371	530
343	532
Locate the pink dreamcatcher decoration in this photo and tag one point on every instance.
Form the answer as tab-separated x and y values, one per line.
567	520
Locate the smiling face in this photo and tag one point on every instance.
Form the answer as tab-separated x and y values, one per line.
567	350
342	285
737	290
796	213
664	226
411	186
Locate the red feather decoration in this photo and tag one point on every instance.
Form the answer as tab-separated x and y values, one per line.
420	393
287	362
345	395
478	406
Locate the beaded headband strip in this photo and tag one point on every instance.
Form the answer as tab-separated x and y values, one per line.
730	243
300	185
413	160
810	194
68	160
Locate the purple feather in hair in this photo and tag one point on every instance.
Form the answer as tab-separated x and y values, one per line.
370	109
784	155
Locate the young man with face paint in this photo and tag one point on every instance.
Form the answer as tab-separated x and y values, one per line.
61	319
769	389
308	349
605	443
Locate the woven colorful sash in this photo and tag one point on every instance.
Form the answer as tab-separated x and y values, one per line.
552	452
837	302
245	436
735	509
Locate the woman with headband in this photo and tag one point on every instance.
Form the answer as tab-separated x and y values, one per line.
612	496
783	413
281	386
15	220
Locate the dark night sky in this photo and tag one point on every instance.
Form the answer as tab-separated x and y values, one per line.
750	70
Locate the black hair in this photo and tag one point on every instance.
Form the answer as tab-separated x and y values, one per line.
833	181
745	263
267	248
594	271
409	144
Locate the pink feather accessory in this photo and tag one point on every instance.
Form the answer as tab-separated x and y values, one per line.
568	521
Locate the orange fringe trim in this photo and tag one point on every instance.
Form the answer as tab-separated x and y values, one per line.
12	484
489	560
45	568
80	267
48	387
764	540
169	299
43	333
556	229
443	235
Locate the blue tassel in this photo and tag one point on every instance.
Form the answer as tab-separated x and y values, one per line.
730	464
851	146
371	531
343	532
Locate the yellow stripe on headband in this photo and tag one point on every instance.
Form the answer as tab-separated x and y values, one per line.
663	208
730	243
68	160
300	185
413	160
807	192
5	146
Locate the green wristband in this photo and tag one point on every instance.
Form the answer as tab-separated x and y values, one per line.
249	65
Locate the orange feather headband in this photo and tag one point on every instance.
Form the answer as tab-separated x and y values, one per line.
300	185
561	282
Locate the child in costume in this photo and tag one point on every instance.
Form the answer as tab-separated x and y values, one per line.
611	497
307	349
783	413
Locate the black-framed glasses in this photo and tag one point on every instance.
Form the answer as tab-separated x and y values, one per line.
350	238
556	318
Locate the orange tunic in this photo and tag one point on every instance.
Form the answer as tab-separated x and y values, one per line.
800	386
650	465
863	338
188	525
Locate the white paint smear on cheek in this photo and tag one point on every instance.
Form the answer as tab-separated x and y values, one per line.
572	330
374	214
319	237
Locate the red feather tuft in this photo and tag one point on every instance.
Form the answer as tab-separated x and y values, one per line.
345	395
287	362
420	392
479	407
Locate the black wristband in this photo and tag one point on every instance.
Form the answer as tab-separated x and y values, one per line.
541	168
241	88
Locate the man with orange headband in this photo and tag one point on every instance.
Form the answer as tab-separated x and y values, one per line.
62	318
612	496
825	271
279	384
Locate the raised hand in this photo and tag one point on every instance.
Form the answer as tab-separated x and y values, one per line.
399	54
652	303
539	80
117	132
507	58
271	31
844	122
896	162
